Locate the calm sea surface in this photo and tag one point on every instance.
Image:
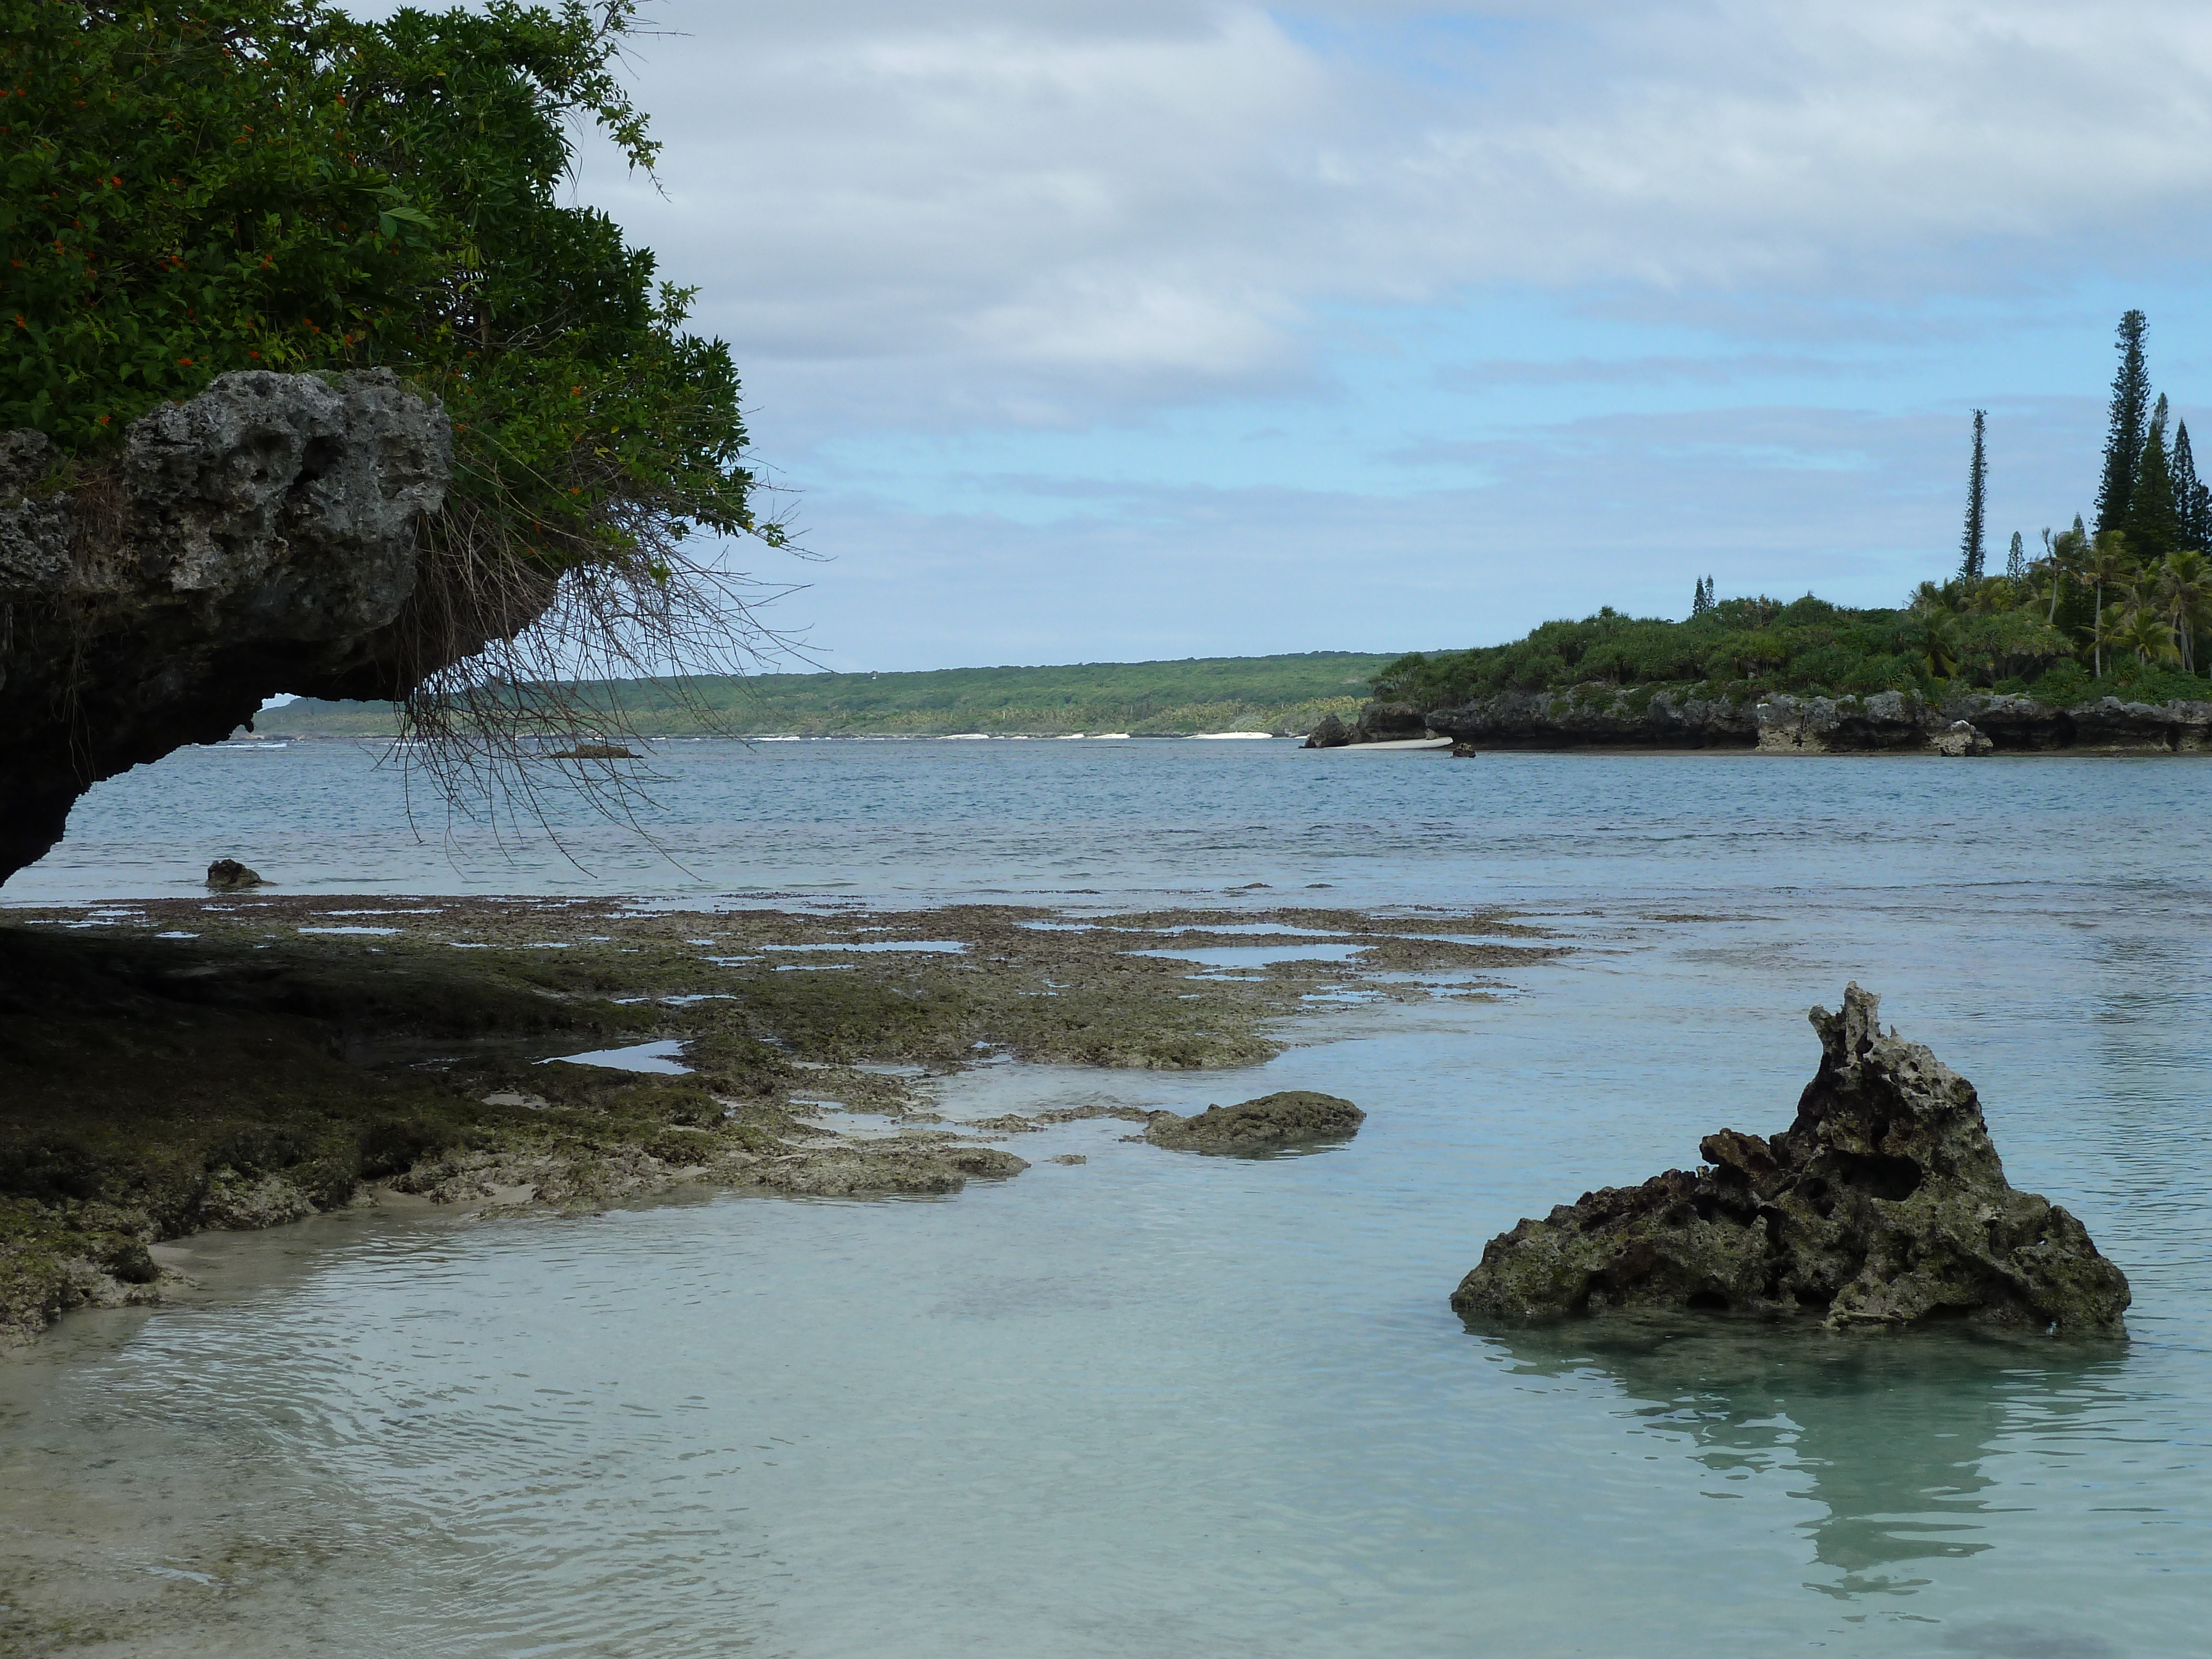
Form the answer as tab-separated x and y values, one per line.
1163	1405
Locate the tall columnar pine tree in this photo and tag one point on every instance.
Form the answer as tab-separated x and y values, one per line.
2129	413
2154	526
1970	550
2192	499
2016	559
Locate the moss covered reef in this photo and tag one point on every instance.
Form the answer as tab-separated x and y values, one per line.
242	1061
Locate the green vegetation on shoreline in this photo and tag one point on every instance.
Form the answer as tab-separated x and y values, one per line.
1284	694
1740	649
2119	612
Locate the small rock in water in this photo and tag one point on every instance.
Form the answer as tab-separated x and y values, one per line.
230	875
1883	1203
1295	1117
595	752
1331	733
1962	737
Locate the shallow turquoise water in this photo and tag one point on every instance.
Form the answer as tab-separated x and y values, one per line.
1157	1404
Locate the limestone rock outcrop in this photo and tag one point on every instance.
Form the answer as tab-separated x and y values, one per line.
1331	733
1294	1117
1824	726
1605	716
263	536
1598	717
1390	722
1961	739
1883	1203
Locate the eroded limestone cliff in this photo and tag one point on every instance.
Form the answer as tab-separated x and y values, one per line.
1599	716
263	537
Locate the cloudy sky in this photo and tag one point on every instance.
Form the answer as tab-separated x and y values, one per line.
1111	329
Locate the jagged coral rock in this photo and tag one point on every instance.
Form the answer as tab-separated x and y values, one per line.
263	536
1884	1203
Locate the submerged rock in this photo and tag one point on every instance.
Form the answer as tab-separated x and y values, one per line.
1295	1117
1883	1203
230	875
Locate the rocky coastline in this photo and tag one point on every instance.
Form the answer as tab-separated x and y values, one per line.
1602	716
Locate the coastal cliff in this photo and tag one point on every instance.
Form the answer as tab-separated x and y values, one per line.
263	536
1643	717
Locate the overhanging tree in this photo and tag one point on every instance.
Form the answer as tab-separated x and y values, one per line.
271	183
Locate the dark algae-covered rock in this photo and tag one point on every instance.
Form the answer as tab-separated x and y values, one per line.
1296	1117
1884	1204
1331	733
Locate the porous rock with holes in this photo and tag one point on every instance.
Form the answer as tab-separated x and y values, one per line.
263	536
1884	1204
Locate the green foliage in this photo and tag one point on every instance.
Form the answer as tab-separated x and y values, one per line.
2153	524
1735	641
2129	414
269	183
1220	694
1970	550
2192	500
185	194
1994	632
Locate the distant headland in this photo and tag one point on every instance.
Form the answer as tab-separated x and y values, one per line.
1285	695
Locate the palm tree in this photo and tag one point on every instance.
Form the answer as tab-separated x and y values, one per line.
2142	628
2183	583
1991	596
2108	633
1934	636
2062	556
2103	564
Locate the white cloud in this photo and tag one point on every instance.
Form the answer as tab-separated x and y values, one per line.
1061	211
1170	327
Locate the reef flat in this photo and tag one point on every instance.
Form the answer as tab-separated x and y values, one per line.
176	1066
